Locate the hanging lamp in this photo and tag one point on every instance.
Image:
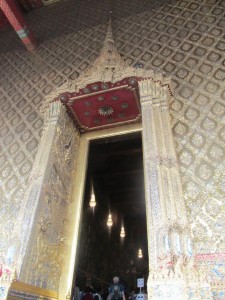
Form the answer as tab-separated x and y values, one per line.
122	232
92	202
140	255
109	221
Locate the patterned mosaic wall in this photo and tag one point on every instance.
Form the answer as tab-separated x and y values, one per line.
182	38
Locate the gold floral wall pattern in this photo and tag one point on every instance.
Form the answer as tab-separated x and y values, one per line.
199	137
183	39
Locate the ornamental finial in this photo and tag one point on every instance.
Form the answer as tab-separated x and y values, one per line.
109	60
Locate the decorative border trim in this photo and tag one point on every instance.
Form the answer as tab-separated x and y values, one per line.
22	290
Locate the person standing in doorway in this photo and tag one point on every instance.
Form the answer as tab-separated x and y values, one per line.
116	290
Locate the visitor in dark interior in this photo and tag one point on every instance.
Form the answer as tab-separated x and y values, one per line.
116	290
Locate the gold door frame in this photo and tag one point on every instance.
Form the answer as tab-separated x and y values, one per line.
66	281
165	207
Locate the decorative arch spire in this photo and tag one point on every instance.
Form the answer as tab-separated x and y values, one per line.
109	67
109	56
109	60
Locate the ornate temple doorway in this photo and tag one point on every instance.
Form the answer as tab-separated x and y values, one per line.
89	144
109	100
114	185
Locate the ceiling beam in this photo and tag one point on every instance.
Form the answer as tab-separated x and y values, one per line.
19	24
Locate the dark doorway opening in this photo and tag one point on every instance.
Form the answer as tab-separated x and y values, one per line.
115	170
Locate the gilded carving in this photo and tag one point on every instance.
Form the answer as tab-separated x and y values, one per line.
163	185
45	253
23	90
172	269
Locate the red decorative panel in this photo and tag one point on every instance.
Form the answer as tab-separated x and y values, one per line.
104	104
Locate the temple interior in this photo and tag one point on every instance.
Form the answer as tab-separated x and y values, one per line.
115	171
123	100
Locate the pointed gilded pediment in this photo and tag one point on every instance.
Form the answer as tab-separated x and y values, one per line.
109	61
107	93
